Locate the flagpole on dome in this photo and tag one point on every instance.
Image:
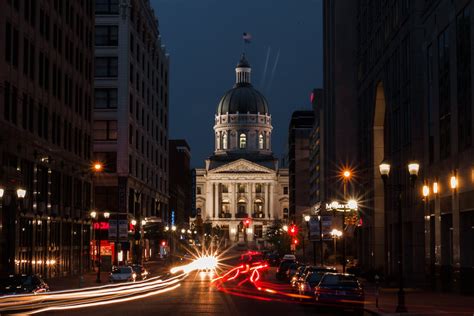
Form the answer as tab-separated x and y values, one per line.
246	38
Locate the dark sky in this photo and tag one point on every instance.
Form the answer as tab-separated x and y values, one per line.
204	39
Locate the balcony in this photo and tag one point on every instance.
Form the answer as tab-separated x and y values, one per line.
258	215
241	215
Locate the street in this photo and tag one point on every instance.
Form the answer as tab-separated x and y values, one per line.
196	296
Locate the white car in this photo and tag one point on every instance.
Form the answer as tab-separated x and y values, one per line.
289	257
123	273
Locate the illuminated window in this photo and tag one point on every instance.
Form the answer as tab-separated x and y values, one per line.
224	140
260	141
242	141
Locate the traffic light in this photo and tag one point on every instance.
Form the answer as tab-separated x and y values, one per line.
293	230
295	241
247	223
163	243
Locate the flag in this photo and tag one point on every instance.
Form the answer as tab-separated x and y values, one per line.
247	37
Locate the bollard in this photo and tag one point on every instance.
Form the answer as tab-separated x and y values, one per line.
376	291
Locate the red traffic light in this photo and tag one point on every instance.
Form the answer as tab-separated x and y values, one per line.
163	243
295	241
247	222
293	230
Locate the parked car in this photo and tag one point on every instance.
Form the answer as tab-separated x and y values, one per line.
289	257
140	272
273	259
341	291
122	273
22	284
296	276
292	270
310	278
283	268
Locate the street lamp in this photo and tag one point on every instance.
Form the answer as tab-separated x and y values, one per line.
335	234
306	218
285	228
98	236
413	169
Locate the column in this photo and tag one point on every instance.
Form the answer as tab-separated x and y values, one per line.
270	196
456	233
234	200
267	200
249	199
216	200
437	230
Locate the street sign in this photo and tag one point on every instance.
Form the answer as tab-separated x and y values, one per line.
326	223
112	229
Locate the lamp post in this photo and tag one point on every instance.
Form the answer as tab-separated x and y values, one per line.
306	218
20	193
335	234
98	235
346	176
413	169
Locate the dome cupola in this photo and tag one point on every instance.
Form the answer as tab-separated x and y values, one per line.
243	122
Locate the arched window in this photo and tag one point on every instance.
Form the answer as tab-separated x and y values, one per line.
260	141
218	141
242	141
224	140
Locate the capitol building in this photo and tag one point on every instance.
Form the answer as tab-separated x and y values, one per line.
242	190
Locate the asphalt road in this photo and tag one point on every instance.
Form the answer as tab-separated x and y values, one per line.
197	297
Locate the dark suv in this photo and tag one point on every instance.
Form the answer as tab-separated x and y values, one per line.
283	268
22	284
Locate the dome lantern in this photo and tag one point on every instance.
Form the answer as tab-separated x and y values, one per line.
242	71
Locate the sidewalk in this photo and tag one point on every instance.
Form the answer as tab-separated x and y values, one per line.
89	278
418	302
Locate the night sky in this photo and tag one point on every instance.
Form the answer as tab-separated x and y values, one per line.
204	39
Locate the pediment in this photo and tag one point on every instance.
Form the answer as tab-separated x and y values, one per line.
242	166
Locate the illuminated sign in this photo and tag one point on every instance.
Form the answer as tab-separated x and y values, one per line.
101	226
338	206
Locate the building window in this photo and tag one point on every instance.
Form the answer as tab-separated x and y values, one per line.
225	188
241	188
224	140
105	98
286	214
198	190
106	66
260	141
106	7
241	208
242	141
106	35
105	130
258	188
285	190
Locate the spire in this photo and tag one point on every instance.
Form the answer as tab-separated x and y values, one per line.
242	71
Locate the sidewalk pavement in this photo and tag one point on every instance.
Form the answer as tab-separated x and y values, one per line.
418	302
89	278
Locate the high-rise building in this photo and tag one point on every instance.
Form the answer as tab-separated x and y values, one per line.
316	156
242	189
180	182
299	130
46	87
414	93
445	56
130	129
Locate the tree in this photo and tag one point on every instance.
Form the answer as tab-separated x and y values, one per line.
278	238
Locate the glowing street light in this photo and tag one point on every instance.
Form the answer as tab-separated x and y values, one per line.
307	218
453	182
143	222
2	191
21	193
167	228
347	174
352	204
134	222
285	228
426	190
435	188
173	228
93	214
106	214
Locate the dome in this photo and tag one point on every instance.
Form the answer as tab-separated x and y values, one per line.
243	98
